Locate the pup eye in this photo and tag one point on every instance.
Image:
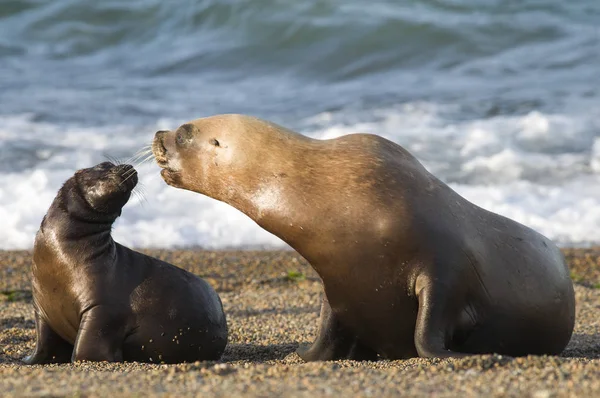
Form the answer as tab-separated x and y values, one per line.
179	138
213	141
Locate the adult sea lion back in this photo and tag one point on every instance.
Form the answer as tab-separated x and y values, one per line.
100	301
409	267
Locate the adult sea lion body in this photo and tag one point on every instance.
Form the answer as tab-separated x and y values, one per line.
409	267
100	301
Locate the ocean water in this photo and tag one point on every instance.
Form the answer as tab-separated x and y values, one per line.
500	99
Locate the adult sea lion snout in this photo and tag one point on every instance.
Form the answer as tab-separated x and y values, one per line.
164	148
159	149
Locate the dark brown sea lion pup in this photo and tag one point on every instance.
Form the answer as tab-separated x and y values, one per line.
409	267
97	300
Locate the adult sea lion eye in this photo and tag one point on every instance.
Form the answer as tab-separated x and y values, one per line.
213	141
179	138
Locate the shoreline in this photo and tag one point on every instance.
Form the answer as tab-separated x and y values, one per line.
271	299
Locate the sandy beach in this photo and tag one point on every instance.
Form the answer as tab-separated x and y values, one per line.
272	303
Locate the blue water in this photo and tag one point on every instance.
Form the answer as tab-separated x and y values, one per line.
501	99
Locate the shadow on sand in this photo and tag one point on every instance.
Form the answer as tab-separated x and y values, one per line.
583	346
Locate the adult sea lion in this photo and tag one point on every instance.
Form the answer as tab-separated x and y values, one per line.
409	267
97	300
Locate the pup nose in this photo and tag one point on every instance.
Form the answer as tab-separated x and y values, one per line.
123	168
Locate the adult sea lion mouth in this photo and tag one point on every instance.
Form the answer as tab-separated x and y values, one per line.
161	161
170	176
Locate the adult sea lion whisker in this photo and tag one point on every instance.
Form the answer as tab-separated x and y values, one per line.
138	155
147	159
143	157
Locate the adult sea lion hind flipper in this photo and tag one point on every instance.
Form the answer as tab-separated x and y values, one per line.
100	336
49	346
334	342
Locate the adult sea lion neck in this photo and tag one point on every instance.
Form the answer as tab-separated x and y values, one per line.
296	195
262	192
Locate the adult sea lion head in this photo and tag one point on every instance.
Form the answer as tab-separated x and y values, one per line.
104	188
223	156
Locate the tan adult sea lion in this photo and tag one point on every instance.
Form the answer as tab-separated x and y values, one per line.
97	300
409	267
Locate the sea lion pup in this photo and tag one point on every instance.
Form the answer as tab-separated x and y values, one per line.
409	267
97	300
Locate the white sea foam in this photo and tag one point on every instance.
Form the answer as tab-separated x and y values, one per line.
540	169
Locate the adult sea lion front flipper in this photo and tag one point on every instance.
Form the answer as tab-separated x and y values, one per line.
334	341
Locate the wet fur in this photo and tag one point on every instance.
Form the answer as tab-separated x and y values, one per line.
97	300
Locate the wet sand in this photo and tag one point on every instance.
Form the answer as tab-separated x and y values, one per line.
272	304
